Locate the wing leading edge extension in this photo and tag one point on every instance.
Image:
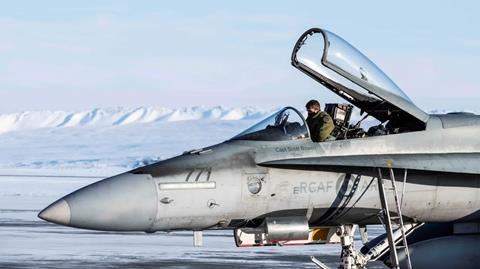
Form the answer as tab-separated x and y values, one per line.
464	163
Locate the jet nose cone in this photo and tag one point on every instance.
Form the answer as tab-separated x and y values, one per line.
126	202
58	212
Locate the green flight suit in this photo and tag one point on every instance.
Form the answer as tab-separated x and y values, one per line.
321	126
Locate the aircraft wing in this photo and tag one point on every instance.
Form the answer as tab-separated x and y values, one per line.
466	163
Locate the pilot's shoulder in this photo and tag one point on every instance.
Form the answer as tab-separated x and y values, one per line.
325	117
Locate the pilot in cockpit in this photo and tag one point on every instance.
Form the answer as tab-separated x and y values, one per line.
319	122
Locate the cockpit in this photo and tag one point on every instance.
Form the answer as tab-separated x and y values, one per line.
289	124
341	68
285	124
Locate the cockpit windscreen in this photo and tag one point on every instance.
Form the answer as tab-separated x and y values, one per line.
286	124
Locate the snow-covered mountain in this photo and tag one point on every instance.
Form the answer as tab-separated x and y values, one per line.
115	137
29	120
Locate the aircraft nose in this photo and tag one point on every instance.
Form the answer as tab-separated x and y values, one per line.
58	212
127	202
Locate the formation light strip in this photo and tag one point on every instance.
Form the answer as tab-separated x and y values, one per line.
187	185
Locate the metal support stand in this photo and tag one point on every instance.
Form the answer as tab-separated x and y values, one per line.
351	259
318	263
387	222
399	213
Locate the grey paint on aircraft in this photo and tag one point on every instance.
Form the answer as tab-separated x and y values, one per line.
242	182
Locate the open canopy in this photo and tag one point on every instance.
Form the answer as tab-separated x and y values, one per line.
285	124
343	69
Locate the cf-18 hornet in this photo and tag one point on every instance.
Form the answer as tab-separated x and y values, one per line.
417	174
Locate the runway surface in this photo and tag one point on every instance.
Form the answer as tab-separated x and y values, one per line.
28	242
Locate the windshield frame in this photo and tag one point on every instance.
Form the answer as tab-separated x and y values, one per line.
241	136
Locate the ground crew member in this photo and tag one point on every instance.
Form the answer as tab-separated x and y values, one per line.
319	122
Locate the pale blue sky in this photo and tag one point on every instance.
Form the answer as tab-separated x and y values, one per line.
79	55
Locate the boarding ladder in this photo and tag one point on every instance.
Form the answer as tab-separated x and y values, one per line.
388	221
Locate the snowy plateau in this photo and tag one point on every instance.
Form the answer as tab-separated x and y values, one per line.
114	137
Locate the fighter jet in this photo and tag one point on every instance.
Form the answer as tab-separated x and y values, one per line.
416	174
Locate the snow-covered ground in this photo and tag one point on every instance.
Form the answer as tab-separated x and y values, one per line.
41	160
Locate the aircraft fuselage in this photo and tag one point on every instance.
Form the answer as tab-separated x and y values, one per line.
238	183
